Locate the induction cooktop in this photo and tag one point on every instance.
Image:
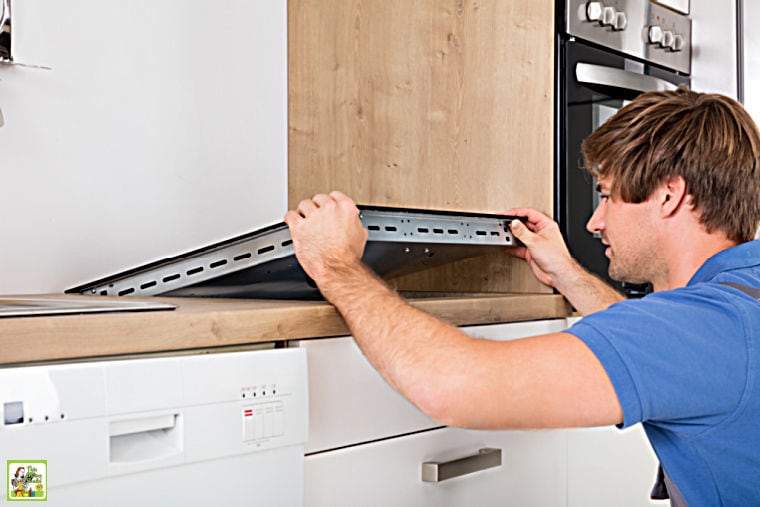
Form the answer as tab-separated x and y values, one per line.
262	264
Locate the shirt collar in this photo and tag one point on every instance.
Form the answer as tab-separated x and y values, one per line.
743	255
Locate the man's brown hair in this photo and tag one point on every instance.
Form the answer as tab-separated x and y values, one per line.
708	139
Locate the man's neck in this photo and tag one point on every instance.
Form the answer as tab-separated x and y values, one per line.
686	252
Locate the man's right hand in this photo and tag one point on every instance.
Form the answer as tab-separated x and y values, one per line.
545	250
547	255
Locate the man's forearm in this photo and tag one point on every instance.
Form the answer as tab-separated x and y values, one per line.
400	341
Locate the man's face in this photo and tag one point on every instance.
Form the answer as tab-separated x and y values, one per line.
627	231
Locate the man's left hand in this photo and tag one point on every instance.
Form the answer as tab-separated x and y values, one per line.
327	234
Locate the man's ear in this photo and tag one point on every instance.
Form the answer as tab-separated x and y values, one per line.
672	195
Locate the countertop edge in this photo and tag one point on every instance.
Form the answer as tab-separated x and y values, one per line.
199	323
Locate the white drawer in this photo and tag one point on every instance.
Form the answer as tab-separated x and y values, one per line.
350	403
607	466
388	473
514	330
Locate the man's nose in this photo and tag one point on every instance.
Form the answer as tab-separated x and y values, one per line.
595	224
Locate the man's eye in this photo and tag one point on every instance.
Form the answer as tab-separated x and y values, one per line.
603	197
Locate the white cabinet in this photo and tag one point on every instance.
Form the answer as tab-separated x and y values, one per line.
349	401
388	472
367	445
607	466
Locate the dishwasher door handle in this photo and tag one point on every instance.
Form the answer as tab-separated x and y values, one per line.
142	425
142	441
435	471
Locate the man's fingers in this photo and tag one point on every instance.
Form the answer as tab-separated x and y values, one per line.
306	206
292	217
321	200
521	232
517	251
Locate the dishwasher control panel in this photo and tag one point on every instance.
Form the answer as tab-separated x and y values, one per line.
112	418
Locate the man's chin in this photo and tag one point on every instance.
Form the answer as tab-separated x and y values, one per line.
625	277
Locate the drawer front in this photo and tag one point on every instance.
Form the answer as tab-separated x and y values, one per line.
607	466
533	471
350	403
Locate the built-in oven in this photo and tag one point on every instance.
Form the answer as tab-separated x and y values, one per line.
607	53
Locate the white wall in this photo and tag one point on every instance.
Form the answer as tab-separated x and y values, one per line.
713	67
751	11
161	128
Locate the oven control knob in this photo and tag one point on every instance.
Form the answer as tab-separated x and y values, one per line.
594	11
678	42
655	34
667	39
621	21
608	16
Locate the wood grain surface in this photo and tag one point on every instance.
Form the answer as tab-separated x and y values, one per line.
434	104
199	323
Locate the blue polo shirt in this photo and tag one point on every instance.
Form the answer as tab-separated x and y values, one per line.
684	362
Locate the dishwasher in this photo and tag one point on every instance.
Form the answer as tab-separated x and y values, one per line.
211	428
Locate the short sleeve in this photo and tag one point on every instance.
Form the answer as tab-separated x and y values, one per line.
673	356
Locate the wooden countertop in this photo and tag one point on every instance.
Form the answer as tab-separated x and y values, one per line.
203	323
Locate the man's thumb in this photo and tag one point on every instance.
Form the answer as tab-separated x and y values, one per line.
520	231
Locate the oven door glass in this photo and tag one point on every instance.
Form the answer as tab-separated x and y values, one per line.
594	85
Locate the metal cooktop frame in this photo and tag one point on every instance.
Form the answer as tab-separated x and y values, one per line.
393	234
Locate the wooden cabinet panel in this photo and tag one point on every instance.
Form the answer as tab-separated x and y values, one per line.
429	104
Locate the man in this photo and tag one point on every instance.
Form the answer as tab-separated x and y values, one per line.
679	176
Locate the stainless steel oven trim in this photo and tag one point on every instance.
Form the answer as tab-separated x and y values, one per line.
590	73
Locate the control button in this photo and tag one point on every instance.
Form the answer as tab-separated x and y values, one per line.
258	422
268	420
248	429
608	16
667	39
678	42
621	21
594	11
279	420
655	34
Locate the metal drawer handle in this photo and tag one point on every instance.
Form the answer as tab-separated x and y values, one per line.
434	471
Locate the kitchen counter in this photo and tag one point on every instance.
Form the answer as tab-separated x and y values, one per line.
205	322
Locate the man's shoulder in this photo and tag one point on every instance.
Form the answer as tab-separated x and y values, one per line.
694	308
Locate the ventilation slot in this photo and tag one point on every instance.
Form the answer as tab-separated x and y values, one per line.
218	263
241	257
423	230
126	291
148	285
494	233
453	231
373	227
390	228
171	278
438	231
287	242
194	271
481	233
265	249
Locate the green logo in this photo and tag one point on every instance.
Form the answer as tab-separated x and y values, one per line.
27	480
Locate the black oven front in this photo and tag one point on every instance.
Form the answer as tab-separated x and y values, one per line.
607	54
